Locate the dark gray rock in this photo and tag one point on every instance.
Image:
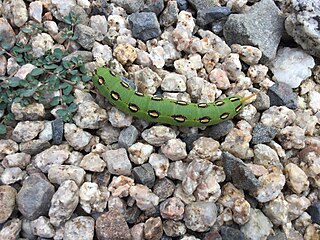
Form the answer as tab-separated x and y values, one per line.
170	14
189	139
201	4
240	175
132	214
163	188
262	26
144	25
219	130
314	211
278	235
101	178
182	4
230	233
281	94
155	6
263	134
128	136
130	6
34	147
57	131
144	174
34	198
212	235
211	14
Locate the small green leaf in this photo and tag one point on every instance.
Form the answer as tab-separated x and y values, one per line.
14	82
3	105
50	66
29	92
26	30
86	78
73	72
73	107
67	89
74	37
67	99
55	101
6	45
57	53
10	117
3	129
75	78
19	59
59	69
66	64
36	72
23	83
67	19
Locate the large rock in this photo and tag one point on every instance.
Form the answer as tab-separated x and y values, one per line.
303	25
261	26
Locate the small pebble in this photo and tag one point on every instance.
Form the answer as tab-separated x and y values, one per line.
57	131
84	226
36	186
144	197
314	211
163	188
230	233
239	173
139	152
112	225
200	216
292	137
297	180
144	25
170	14
160	164
208	15
7	202
281	94
64	201
258	227
174	228
128	136
172	208
144	174
153	229
263	134
121	166
250	55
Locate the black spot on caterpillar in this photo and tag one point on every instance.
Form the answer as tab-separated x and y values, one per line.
163	110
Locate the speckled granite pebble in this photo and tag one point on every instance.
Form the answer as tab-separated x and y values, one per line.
263	134
111	225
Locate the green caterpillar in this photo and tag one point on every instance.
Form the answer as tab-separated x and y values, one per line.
163	110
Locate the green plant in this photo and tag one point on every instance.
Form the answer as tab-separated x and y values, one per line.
51	82
68	32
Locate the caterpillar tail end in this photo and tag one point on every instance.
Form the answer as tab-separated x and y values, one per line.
243	100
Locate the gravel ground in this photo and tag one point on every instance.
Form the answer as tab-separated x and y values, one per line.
107	175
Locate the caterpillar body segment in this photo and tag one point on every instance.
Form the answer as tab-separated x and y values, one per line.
163	110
